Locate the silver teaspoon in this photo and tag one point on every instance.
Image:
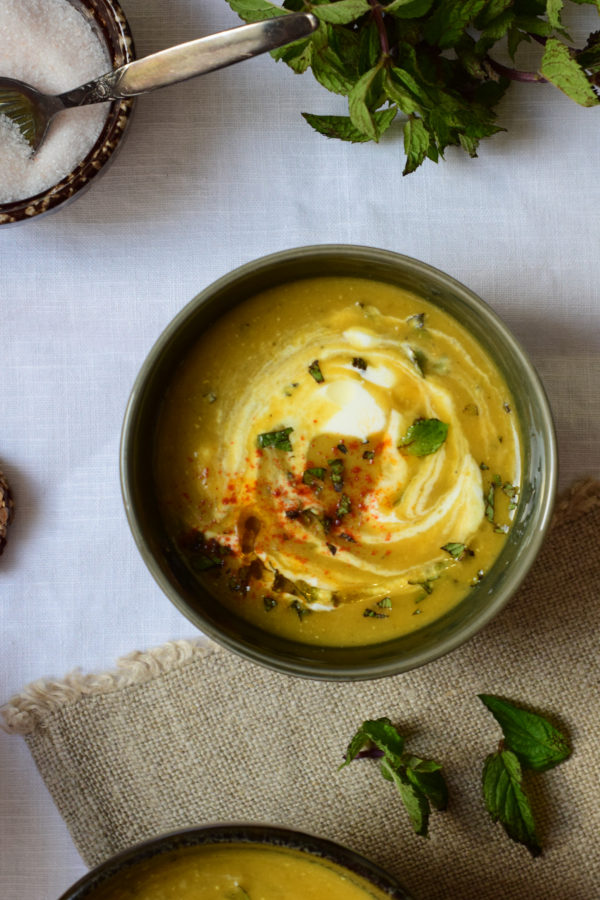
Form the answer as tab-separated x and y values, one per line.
32	111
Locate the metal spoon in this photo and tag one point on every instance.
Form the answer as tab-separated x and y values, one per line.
32	111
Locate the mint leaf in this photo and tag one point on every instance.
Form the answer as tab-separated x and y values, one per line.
559	67
415	801
280	440
537	744
553	11
379	733
426	775
342	11
449	21
342	127
589	57
424	437
298	56
416	144
506	801
408	9
358	103
256	10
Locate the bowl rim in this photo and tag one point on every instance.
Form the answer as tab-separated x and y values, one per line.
239	833
107	143
544	508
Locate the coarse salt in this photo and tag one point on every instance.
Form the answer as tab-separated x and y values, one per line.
50	45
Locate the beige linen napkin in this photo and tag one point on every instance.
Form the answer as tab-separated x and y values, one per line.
188	734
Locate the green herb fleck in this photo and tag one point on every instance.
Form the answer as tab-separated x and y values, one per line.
419	782
301	610
422	584
424	436
457	550
311	476
500	529
315	371
336	470
279	440
342	447
490	503
385	603
343	507
269	603
369	454
238	894
417	358
512	492
373	614
483	467
332	549
417	321
359	363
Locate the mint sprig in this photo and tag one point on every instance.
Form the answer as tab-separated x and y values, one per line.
419	782
530	742
430	64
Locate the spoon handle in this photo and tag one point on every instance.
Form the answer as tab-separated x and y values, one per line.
194	58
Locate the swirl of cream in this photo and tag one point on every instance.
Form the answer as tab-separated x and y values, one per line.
404	508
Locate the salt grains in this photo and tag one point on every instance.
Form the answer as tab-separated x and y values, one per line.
50	45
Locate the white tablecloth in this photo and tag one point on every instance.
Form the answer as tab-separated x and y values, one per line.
217	172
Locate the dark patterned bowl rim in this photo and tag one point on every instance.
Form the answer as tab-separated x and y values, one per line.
239	833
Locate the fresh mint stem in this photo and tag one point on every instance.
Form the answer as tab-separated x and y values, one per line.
381	28
516	74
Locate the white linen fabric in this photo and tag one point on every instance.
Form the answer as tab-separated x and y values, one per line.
214	173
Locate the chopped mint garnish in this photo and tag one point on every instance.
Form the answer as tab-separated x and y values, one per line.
279	440
456	550
315	371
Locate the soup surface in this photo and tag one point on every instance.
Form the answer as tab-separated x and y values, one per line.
237	872
338	461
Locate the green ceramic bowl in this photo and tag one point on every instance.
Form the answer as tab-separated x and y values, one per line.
320	851
538	474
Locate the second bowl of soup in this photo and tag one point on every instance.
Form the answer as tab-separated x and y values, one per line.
352	462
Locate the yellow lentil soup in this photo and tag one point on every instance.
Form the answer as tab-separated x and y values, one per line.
236	872
338	461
